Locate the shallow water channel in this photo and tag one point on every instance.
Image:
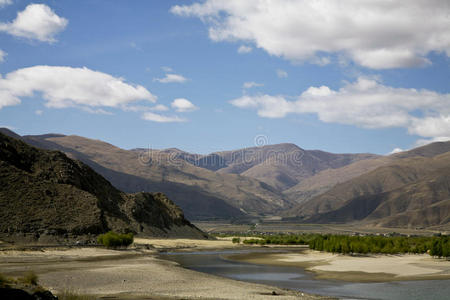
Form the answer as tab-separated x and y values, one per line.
296	278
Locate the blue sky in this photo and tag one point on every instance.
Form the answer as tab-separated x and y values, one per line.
369	79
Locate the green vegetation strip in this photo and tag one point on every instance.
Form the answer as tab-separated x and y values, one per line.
435	246
114	240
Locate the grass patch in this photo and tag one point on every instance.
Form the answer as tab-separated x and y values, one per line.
115	240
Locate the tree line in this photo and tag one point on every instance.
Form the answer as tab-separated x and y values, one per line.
435	246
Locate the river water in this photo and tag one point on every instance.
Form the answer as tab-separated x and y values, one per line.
296	278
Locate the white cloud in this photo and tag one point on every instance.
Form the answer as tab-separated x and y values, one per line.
5	2
38	112
183	105
396	150
433	126
282	73
96	111
70	87
37	21
365	103
159	107
2	55
149	116
266	105
8	99
377	34
171	78
143	108
250	84
244	49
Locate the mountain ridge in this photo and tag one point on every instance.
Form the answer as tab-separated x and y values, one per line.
45	194
404	192
236	192
309	185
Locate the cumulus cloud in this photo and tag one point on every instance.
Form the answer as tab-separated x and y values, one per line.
37	21
266	105
150	116
250	84
282	73
365	103
183	105
377	34
244	49
70	87
169	78
38	112
2	55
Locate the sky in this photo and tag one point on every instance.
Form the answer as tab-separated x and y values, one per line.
202	76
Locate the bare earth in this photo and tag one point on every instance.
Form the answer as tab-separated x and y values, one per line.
188	244
358	268
134	274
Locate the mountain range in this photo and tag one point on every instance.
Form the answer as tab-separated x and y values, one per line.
403	189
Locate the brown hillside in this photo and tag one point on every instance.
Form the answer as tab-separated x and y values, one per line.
282	166
46	194
200	192
412	190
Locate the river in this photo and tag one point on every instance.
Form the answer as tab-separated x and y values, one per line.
214	262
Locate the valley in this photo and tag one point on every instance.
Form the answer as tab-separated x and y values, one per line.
228	196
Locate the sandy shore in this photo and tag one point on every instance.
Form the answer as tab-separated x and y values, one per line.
135	274
357	268
187	244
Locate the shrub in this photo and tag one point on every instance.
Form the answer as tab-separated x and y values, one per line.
114	240
254	241
236	240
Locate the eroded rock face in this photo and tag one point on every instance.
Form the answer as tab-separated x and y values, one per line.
44	195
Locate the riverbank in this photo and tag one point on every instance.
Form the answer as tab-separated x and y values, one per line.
367	268
134	273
